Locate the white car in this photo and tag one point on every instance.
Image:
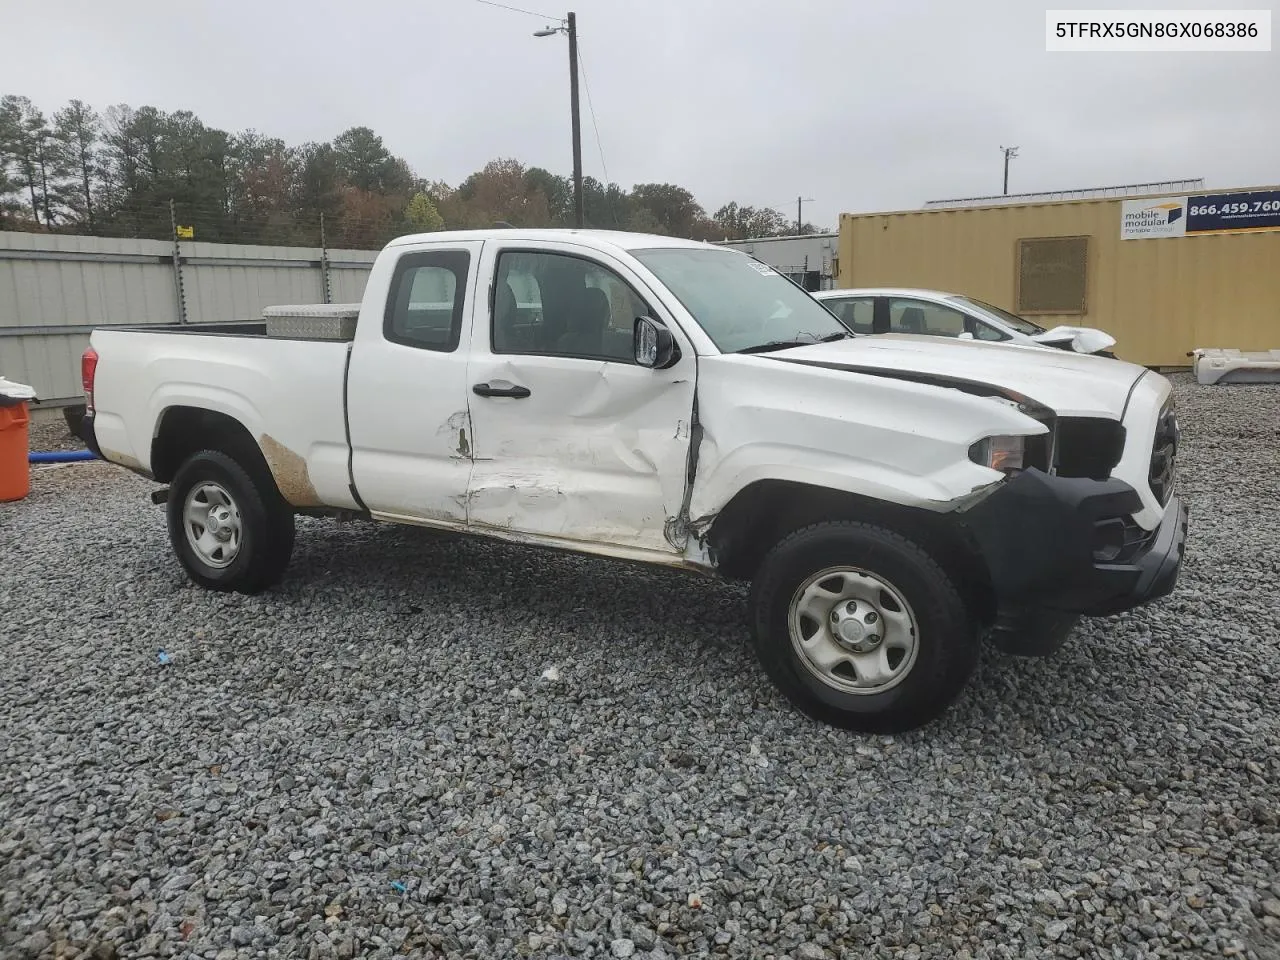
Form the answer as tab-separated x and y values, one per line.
893	501
938	314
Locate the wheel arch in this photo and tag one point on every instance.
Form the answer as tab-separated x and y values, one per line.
765	511
184	430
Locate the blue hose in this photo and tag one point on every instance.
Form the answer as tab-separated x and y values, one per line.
61	456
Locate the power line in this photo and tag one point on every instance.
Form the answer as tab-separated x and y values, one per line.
540	16
586	84
613	211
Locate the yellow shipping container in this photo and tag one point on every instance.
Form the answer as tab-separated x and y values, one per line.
1159	297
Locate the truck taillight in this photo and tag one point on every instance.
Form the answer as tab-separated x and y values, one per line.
88	367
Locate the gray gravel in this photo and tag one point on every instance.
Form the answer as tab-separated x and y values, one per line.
370	761
52	434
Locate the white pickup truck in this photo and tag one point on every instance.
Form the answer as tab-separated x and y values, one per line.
893	500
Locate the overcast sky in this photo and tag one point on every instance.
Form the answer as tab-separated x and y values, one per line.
857	104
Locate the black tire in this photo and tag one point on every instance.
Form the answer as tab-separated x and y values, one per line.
946	635
267	528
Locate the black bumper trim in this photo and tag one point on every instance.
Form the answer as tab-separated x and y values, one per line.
1036	535
1159	564
85	432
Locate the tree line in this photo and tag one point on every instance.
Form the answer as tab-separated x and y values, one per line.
141	172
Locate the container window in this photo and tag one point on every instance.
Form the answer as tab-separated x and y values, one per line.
1052	275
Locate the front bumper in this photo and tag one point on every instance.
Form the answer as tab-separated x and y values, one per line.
1041	538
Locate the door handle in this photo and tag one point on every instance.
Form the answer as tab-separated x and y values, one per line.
501	388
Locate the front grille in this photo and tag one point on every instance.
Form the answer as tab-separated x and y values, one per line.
1164	452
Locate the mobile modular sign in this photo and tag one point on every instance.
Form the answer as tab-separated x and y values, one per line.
1155	217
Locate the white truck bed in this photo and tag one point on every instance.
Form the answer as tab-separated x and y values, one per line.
287	393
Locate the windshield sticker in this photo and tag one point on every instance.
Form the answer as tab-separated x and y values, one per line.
763	269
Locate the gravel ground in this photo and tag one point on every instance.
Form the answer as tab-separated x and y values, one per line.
425	745
52	434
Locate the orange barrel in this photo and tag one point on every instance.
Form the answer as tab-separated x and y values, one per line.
15	472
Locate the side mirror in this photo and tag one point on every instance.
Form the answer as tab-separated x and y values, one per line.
965	336
653	343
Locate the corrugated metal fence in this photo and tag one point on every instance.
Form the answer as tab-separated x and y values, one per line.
55	289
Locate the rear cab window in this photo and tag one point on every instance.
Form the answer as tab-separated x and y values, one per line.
424	308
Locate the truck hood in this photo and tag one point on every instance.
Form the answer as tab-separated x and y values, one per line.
1070	384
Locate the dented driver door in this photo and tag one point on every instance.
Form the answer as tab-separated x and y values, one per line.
407	389
573	440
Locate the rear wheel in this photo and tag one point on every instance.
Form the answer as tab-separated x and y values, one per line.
861	628
230	529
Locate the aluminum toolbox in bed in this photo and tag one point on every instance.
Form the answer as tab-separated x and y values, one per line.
312	321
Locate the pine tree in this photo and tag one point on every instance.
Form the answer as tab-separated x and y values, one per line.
28	137
77	132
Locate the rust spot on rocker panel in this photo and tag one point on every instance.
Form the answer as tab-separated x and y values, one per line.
123	460
290	473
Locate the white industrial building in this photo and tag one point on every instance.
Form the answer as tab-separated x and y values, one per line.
808	259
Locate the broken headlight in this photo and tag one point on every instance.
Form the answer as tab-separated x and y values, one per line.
1011	454
1006	454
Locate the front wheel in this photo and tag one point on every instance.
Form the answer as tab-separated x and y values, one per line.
229	530
861	628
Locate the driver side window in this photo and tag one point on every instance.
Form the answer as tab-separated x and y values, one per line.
557	305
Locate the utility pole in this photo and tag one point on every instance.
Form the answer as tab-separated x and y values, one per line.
1009	154
570	26
177	263
800	202
324	263
577	124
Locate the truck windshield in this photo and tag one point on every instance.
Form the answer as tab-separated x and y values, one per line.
1021	324
740	302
